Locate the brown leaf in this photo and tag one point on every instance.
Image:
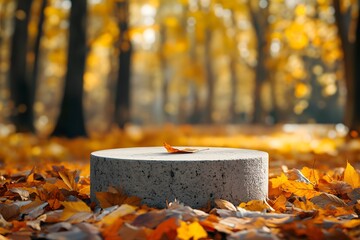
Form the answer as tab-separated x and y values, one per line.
34	209
223	204
128	231
171	149
165	230
9	211
116	197
325	199
354	195
69	178
150	219
24	194
4	223
296	174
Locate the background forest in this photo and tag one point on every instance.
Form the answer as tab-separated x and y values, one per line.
77	67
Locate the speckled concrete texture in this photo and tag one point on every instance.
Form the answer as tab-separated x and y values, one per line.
156	176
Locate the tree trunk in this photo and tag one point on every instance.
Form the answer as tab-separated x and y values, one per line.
71	120
343	21
355	123
259	19
122	96
21	87
210	77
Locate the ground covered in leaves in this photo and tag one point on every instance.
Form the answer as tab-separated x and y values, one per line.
314	191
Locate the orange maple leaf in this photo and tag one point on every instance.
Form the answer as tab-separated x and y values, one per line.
171	149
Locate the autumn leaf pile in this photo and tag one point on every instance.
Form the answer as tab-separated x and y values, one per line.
47	197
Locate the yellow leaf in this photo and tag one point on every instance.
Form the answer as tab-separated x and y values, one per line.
72	208
300	189
353	223
123	210
307	206
351	176
278	181
279	204
192	231
254	205
311	174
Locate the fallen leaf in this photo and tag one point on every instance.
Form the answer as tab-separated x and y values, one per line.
73	233
24	194
128	231
255	205
4	223
116	197
165	230
58	227
279	203
150	219
306	206
123	210
296	174
171	149
325	200
93	233
75	212
351	223
192	231
311	174
223	204
351	176
300	189
253	234
354	195
33	210
9	211
36	224
69	178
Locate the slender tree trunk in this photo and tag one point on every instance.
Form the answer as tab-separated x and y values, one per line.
259	19
20	86
122	97
71	119
32	66
343	21
210	77
355	124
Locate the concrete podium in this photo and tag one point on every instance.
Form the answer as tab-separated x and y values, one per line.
236	175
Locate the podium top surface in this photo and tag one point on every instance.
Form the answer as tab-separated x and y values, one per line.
160	154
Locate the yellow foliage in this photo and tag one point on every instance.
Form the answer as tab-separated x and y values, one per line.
351	176
192	231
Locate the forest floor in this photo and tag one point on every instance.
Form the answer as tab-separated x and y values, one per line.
314	187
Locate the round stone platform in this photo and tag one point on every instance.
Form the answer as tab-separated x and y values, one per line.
236	175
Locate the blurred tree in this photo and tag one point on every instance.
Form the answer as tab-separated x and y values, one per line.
356	117
259	16
347	20
71	120
22	87
122	94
